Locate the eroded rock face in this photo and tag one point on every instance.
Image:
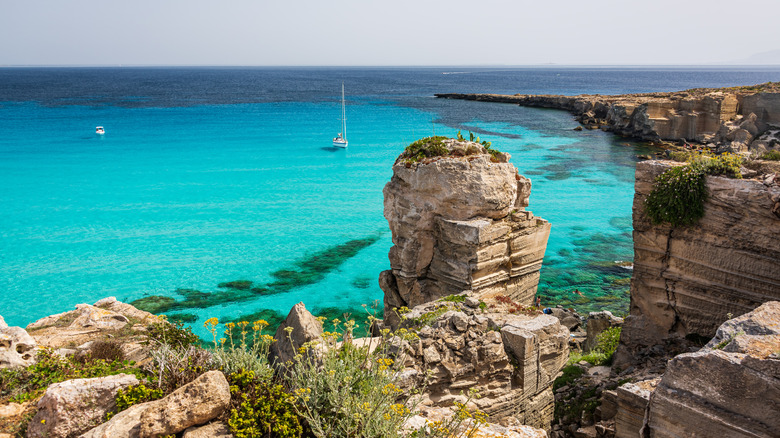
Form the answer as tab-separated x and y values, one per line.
92	399
17	347
459	223
687	281
510	359
728	388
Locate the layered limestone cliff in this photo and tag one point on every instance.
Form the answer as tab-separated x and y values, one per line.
688	280
459	223
731	119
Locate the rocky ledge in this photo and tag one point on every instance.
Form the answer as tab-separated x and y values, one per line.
738	119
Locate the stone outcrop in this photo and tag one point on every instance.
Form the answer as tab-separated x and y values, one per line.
459	223
92	399
731	387
108	319
511	359
687	281
303	327
17	347
728	118
597	323
197	402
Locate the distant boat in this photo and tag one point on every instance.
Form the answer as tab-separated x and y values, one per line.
341	140
100	130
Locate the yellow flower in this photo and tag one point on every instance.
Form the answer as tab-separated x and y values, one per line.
211	322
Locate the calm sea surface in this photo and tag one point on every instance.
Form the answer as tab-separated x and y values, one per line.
211	175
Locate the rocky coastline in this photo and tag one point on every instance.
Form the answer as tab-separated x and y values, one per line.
738	119
463	348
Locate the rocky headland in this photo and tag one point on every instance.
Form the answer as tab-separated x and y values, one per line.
738	119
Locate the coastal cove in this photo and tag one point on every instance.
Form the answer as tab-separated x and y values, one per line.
209	176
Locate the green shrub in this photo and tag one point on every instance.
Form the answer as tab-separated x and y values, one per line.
174	334
773	155
133	395
173	367
677	197
349	391
425	148
249	353
24	384
570	374
260	408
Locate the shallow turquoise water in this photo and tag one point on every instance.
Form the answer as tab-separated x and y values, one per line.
190	192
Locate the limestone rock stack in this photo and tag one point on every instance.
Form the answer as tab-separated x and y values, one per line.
688	280
459	223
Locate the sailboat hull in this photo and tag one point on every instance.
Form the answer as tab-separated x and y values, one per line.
340	143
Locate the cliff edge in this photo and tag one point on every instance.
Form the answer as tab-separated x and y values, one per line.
688	280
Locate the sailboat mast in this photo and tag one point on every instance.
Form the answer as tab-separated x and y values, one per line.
343	113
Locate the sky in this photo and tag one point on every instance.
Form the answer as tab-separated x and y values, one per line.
390	32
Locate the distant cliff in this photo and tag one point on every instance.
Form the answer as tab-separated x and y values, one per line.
737	119
688	280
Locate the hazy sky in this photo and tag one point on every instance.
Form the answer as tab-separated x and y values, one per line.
391	32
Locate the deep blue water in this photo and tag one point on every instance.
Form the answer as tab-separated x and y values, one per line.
209	175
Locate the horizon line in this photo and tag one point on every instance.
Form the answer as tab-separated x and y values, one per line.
546	65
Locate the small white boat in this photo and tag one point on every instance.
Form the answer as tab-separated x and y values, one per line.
100	130
340	141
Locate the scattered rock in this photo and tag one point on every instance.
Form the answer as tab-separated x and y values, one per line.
304	328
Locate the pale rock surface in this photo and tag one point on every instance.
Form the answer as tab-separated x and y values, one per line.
74	331
75	406
197	402
459	223
11	410
305	328
511	360
213	430
686	281
17	347
731	387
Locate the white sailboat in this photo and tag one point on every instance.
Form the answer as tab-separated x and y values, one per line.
340	141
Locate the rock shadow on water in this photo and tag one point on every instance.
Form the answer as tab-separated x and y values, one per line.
308	270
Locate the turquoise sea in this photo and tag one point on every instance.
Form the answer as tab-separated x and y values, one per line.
212	175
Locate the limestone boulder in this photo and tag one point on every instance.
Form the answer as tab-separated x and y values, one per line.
17	347
197	402
303	327
92	399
